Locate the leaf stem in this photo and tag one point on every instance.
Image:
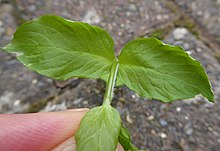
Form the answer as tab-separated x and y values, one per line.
111	84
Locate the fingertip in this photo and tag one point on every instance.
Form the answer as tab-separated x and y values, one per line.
38	131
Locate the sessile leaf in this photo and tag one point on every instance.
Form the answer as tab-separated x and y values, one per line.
160	71
62	49
125	140
99	130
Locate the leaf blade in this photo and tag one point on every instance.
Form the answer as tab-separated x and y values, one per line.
61	49
99	130
163	72
125	140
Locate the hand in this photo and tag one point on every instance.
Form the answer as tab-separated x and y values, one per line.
40	131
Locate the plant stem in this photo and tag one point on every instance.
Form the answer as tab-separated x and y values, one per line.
111	83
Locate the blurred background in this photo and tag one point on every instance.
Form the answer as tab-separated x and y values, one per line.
184	125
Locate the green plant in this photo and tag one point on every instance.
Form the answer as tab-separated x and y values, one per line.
62	49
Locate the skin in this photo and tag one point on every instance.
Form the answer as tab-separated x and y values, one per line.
41	131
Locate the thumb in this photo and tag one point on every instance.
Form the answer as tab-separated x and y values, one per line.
38	131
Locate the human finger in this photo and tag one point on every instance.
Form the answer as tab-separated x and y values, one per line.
38	131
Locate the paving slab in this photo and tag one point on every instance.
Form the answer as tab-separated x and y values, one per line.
205	12
20	87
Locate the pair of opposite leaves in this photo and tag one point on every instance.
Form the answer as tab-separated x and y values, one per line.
62	49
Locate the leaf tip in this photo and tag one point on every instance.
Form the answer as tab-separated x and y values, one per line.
211	97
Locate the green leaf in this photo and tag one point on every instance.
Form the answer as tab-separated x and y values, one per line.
99	130
61	49
160	71
125	140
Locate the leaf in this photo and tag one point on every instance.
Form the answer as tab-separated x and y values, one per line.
160	71
125	140
61	49
99	130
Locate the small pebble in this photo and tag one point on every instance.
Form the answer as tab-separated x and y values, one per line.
132	7
32	8
128	14
34	81
92	17
128	119
77	101
199	49
159	17
133	96
186	117
85	102
40	84
16	102
151	117
163	135
180	124
186	46
189	131
163	122
153	132
210	129
119	33
215	133
180	33
178	109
